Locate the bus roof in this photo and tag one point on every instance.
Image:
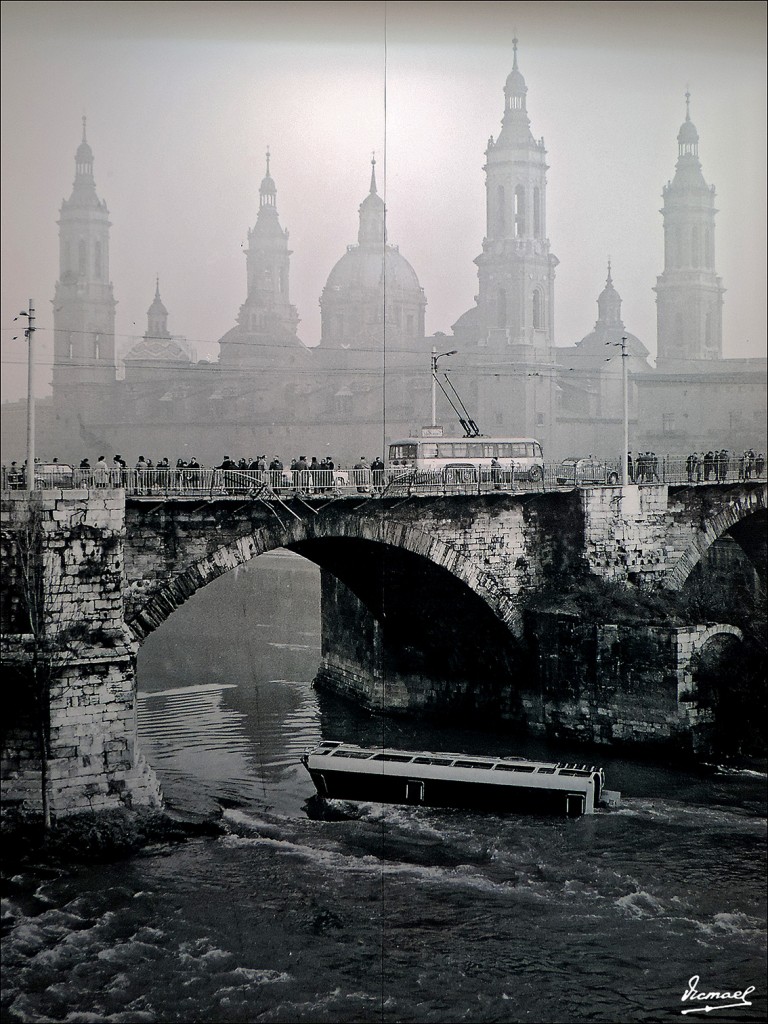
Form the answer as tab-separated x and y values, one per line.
462	437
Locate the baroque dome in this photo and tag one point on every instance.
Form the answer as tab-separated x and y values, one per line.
363	268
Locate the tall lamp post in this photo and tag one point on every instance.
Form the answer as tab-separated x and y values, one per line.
29	333
435	358
625	410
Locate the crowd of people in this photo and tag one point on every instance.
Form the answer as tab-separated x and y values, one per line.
716	465
309	475
644	469
322	475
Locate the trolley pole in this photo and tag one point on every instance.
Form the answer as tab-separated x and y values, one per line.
435	358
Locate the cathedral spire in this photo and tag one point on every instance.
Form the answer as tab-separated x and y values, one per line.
157	316
84	161
515	125
372	232
267	190
609	303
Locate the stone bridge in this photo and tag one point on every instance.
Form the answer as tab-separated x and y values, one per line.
426	606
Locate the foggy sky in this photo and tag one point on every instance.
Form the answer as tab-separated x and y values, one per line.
182	100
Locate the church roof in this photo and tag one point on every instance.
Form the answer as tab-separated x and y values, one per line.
157	350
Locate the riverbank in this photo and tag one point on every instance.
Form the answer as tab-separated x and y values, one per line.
90	836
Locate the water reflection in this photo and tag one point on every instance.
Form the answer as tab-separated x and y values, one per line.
239	710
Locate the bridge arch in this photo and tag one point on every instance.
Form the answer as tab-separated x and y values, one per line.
747	507
148	605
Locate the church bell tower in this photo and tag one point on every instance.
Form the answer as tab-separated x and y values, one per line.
689	294
516	270
83	303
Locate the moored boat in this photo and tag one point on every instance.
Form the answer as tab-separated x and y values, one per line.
345	771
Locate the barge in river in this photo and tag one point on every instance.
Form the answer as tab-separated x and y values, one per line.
345	771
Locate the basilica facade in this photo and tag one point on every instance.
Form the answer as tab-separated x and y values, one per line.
367	380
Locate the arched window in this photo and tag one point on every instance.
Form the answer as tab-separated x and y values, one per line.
97	346
708	332
97	261
695	254
538	321
70	344
537	213
501	308
81	258
501	219
519	211
677	258
708	260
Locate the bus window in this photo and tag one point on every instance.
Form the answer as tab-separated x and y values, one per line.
505	451
429	451
518	450
402	451
460	451
489	450
444	451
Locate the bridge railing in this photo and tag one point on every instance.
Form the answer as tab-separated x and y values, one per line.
165	482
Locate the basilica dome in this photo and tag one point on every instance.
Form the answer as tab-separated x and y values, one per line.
372	284
365	268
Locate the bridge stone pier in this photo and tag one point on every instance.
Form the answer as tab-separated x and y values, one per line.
428	604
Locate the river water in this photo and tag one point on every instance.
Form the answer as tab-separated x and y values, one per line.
379	913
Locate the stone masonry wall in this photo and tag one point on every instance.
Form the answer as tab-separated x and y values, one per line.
90	670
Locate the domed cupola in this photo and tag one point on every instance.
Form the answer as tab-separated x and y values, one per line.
372	232
267	189
609	329
267	224
609	303
688	137
84	160
157	316
688	168
515	87
370	286
515	124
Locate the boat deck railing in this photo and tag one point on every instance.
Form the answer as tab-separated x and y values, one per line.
517	764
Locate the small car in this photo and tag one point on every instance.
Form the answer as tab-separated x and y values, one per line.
585	471
53	474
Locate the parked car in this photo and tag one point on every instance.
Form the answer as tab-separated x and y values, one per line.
53	474
585	471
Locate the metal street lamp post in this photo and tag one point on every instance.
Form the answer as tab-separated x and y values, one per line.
625	409
29	333
624	463
435	358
